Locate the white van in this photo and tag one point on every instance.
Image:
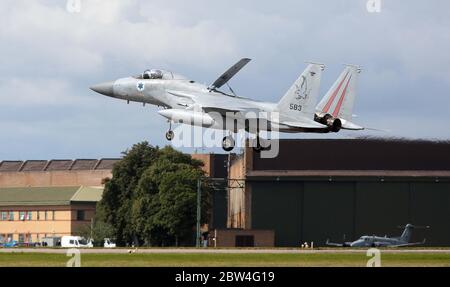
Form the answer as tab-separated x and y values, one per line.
108	243
75	242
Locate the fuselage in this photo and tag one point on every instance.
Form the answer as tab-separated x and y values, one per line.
177	93
155	92
376	241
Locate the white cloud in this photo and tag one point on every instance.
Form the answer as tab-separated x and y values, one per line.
49	57
36	92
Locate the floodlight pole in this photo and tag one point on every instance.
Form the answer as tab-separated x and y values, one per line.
199	212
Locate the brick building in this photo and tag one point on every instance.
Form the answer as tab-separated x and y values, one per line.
41	198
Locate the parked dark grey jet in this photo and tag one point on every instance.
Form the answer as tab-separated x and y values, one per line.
376	241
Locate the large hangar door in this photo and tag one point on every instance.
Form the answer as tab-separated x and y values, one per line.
328	212
381	207
276	206
430	205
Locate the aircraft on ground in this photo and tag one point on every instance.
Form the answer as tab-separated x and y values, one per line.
186	101
377	241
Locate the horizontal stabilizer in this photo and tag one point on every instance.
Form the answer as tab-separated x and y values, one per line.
307	124
409	244
347	125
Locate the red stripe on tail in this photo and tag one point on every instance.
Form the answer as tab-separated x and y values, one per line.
333	96
341	99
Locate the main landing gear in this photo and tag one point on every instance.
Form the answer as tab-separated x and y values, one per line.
260	147
228	143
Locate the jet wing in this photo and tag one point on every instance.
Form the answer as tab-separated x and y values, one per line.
223	110
220	105
334	244
345	244
182	99
230	73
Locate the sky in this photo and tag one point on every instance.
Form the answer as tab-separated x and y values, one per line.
50	55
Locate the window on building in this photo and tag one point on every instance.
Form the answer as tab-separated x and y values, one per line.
53	215
81	215
11	216
21	238
21	215
46	215
4	216
29	215
38	215
28	238
2	238
9	238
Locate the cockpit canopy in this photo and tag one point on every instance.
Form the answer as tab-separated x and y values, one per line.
152	74
156	74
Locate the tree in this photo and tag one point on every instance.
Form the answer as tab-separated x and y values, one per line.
164	212
151	198
119	192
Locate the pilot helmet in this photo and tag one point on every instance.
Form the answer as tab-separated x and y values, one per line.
146	75
152	74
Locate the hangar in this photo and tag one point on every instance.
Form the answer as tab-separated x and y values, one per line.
320	189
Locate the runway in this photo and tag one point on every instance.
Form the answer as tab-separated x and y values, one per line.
218	251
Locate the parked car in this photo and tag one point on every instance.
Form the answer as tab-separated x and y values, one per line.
108	243
11	244
75	242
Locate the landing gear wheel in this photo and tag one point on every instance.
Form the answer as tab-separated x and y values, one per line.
228	143
258	148
170	135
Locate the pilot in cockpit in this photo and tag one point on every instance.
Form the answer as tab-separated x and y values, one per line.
152	74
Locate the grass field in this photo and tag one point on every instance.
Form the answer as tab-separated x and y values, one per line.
228	260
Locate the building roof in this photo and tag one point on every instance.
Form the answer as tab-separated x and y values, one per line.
10	165
34	165
106	163
40	196
84	164
57	164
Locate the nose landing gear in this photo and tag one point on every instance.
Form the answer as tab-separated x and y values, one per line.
170	135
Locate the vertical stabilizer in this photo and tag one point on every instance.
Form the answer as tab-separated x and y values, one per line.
301	98
340	99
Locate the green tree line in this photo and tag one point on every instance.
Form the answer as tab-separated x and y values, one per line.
151	199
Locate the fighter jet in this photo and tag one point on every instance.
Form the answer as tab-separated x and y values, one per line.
376	241
188	102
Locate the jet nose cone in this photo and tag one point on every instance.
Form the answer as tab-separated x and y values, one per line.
104	88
